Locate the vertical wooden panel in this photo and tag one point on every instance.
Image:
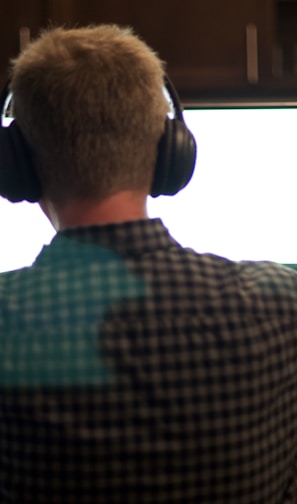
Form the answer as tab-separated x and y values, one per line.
14	15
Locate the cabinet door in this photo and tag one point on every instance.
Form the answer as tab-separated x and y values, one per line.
203	42
16	14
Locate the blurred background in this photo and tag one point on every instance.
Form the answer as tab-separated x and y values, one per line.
212	48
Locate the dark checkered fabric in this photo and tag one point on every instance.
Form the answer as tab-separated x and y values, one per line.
135	371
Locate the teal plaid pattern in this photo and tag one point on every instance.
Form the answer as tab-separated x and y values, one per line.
65	294
135	371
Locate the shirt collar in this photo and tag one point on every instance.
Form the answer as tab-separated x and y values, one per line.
125	238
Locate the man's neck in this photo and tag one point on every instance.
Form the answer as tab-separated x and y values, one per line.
120	207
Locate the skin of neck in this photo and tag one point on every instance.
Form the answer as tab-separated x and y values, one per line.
120	207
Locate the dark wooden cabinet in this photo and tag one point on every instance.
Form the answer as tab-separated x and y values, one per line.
16	14
212	48
204	43
286	41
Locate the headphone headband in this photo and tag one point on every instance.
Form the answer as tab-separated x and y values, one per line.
172	93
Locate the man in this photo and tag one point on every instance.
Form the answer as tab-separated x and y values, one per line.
133	370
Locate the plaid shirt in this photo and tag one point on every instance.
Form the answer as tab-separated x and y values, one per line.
135	371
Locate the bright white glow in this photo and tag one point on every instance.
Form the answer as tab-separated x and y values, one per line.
6	121
241	202
24	230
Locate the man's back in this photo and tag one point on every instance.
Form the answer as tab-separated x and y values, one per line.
133	370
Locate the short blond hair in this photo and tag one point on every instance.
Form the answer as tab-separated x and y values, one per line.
90	104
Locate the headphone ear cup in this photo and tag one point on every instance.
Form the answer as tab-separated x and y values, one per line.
175	160
18	180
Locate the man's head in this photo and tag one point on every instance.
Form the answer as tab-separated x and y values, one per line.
90	104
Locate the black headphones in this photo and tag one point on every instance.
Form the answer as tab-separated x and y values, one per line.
176	151
174	167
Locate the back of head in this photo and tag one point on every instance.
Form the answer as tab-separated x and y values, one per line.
90	104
